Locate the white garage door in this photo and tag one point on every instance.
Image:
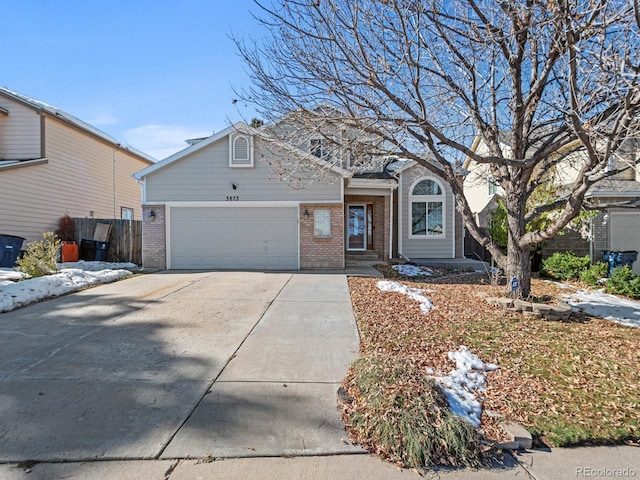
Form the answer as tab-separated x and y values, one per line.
625	234
258	238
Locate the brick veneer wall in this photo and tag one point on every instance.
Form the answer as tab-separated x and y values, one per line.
601	237
154	242
322	252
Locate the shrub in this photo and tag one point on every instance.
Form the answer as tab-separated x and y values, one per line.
66	229
564	266
403	416
40	258
593	274
623	282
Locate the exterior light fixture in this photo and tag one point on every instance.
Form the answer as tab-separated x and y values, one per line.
234	185
152	215
306	213
605	219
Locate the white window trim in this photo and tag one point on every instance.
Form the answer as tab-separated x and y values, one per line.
232	142
491	184
427	198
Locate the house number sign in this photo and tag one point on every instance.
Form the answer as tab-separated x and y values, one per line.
232	198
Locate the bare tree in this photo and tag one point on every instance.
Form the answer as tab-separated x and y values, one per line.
538	82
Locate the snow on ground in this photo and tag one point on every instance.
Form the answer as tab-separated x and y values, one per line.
15	294
603	305
413	270
461	385
414	293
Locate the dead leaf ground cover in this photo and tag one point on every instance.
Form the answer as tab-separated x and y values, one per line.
569	383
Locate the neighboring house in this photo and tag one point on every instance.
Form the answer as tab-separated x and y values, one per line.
52	164
220	203
614	228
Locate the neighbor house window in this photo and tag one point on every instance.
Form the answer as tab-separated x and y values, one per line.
318	148
240	150
492	185
426	200
126	213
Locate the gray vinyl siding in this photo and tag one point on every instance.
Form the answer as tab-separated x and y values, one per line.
205	176
442	247
77	179
19	131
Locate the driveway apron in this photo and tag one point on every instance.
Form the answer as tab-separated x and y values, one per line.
277	396
123	370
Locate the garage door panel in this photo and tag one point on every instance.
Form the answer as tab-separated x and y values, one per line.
234	237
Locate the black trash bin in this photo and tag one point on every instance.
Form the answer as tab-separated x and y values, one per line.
93	250
10	246
628	257
88	250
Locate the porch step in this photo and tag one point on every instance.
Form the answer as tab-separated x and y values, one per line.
364	255
362	259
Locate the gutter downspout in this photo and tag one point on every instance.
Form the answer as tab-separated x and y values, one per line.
113	155
391	223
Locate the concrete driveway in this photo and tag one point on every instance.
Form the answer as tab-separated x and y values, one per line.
177	365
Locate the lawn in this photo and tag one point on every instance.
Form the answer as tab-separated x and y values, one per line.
568	383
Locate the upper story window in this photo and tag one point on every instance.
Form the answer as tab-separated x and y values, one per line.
240	150
426	200
318	148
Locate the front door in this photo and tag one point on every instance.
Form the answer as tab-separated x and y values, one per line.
357	227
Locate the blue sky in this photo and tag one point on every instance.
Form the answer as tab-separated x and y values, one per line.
150	73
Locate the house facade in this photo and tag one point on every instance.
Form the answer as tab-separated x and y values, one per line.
52	163
221	204
614	228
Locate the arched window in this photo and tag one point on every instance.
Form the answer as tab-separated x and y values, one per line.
241	152
426	200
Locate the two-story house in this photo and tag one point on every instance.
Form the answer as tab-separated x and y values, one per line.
52	163
220	203
614	228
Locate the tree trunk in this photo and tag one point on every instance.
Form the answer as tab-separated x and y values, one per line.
518	270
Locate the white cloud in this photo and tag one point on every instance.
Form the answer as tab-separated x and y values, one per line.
161	141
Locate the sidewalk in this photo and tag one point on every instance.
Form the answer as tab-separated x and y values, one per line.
559	464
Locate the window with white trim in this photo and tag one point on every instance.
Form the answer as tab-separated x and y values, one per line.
126	213
240	150
426	203
492	185
318	148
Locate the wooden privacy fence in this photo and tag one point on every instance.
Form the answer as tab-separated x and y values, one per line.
125	239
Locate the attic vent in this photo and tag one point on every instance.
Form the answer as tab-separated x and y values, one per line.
241	154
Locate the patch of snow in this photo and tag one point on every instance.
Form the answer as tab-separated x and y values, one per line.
414	293
10	275
603	305
15	294
413	270
98	266
461	385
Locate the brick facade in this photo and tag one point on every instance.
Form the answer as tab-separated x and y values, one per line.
321	252
601	236
154	243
